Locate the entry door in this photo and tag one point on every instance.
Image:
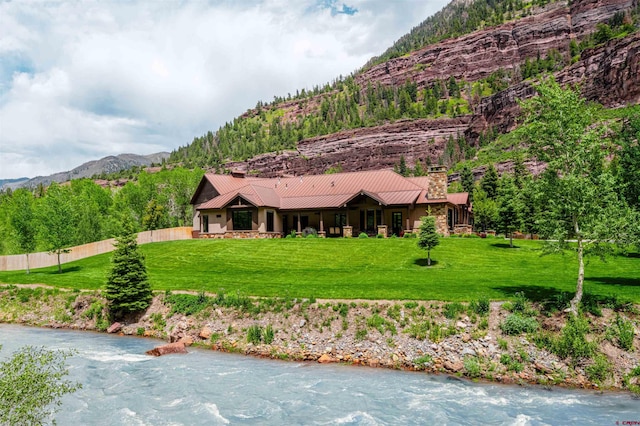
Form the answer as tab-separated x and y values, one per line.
270	222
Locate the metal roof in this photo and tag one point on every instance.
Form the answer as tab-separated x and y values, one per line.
318	191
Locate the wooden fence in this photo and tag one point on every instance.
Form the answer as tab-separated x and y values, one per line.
18	262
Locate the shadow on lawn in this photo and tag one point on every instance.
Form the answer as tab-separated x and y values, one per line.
534	293
614	281
504	245
64	270
423	262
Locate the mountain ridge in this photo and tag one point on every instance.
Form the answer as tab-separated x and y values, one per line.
108	164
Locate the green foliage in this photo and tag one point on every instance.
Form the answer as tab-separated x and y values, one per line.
480	306
268	334
187	304
573	342
509	208
127	288
583	202
485	210
423	360
32	383
516	324
622	332
600	370
489	183
511	363
428	237
23	221
451	310
472	366
56	220
254	334
363	235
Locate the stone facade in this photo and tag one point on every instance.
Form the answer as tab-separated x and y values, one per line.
437	182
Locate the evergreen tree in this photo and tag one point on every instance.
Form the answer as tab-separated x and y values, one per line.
402	167
490	182
127	288
466	179
508	209
428	238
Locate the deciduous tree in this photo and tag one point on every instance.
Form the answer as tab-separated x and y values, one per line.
32	382
23	221
584	211
56	220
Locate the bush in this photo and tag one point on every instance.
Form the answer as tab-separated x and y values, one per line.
573	341
516	324
187	304
472	366
481	306
625	333
254	334
600	370
363	235
451	310
268	334
520	303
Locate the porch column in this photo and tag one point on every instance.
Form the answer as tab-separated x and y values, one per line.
299	224
321	222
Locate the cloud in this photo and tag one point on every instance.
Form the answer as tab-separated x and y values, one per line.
80	80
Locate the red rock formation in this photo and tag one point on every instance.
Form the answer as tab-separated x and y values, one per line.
171	348
609	74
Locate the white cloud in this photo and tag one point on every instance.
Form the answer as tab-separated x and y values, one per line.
84	79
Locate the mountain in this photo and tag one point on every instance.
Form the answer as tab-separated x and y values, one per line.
441	92
110	164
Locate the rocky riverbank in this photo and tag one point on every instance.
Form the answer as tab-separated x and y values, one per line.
509	342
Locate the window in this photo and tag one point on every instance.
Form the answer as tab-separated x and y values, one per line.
396	223
205	223
340	219
242	220
269	221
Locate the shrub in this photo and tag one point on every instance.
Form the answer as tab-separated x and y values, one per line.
625	333
424	359
481	306
254	334
633	387
520	302
573	341
361	334
472	366
187	304
516	324
502	344
451	310
419	330
411	305
140	331
363	235
600	370
268	334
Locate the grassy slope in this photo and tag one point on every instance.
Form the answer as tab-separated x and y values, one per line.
354	268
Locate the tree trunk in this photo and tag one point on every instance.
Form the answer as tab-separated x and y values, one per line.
59	266
28	271
428	257
578	297
511	239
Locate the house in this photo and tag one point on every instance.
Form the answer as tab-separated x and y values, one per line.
334	205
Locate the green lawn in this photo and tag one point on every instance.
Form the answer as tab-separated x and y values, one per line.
358	268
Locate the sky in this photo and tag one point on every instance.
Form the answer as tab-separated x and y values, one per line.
80	80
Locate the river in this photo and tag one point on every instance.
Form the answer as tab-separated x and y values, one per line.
122	386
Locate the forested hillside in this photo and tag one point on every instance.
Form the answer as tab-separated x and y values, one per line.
429	77
65	215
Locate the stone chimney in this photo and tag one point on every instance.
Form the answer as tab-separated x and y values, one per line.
437	182
237	173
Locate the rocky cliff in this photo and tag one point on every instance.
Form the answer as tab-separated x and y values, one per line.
609	74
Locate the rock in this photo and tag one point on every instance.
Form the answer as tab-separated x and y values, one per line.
302	323
468	352
170	348
325	358
461	324
543	367
186	340
454	366
205	333
114	328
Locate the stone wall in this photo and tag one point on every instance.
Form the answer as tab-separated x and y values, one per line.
437	182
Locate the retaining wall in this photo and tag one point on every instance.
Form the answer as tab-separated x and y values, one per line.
18	262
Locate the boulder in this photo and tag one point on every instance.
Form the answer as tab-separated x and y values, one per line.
114	328
325	358
205	333
170	348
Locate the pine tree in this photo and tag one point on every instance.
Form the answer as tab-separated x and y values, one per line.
466	179
490	182
127	287
428	237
